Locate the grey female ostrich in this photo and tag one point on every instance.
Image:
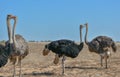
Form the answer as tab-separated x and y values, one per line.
18	46
63	48
101	45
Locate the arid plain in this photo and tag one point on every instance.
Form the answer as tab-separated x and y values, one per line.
87	64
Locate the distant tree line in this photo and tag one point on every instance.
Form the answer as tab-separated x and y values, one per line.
45	40
40	41
3	41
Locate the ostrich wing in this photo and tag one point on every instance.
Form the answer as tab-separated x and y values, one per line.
99	43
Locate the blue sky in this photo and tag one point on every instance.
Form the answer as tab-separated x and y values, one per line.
60	19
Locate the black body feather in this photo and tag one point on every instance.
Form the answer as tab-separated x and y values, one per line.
65	47
4	54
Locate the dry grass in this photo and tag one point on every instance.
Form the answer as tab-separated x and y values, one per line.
87	64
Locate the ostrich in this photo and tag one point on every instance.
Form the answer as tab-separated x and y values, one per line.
101	45
5	51
64	48
18	45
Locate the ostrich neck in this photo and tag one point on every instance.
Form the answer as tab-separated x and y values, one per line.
9	31
80	46
14	39
86	34
80	35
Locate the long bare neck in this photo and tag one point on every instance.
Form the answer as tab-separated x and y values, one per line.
9	31
80	46
14	26
80	33
86	34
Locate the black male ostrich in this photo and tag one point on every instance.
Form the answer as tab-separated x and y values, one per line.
63	48
18	46
101	45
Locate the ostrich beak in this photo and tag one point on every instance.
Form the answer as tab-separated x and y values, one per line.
82	26
86	24
14	17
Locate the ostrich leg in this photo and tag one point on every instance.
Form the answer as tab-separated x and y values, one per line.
101	61
20	68
14	71
106	61
63	65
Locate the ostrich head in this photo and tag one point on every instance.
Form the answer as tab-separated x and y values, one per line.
9	16
46	50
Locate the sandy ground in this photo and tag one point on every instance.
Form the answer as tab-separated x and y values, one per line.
87	64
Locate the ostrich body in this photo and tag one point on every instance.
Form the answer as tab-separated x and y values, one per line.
63	48
101	45
4	55
18	45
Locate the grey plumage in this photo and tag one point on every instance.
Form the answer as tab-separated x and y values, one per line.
101	45
20	51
